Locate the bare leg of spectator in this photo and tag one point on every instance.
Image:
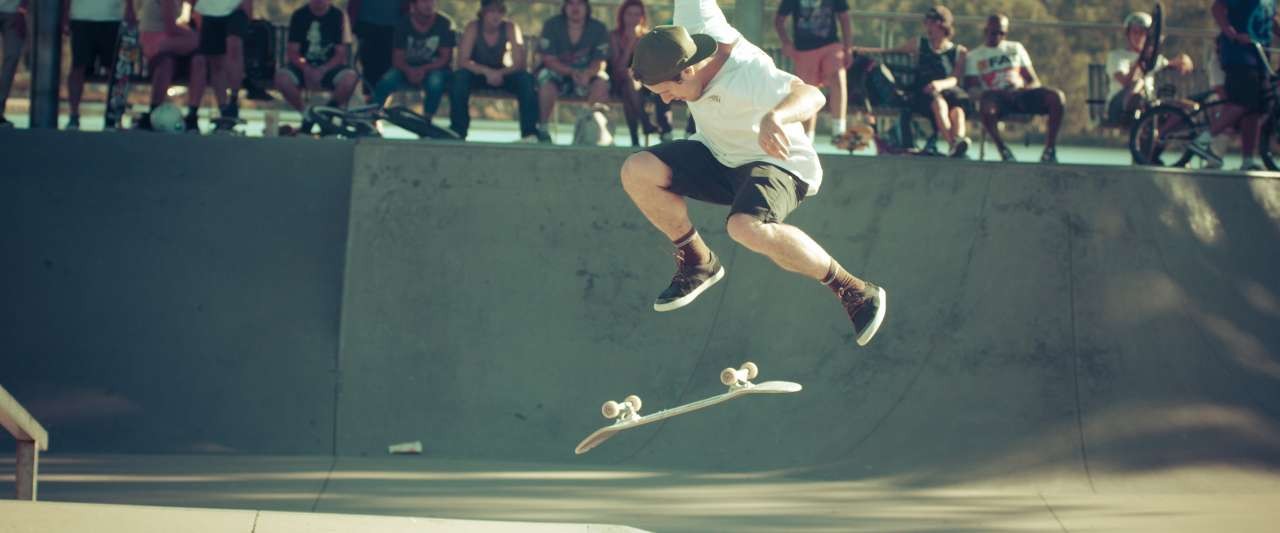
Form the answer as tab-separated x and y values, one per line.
161	76
234	69
344	86
632	105
990	112
1250	128
837	99
195	88
288	88
958	127
547	95
942	117
75	89
1055	101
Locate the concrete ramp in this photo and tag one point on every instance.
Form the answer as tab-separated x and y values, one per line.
46	517
1057	324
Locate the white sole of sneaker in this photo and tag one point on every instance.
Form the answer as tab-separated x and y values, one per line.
688	298
874	326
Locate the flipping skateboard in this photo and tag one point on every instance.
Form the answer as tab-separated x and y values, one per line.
128	63
627	412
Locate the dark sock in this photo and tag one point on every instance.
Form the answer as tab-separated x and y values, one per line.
837	277
694	249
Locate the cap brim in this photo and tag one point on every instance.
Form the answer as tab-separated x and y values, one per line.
705	46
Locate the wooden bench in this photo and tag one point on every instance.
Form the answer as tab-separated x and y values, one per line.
32	439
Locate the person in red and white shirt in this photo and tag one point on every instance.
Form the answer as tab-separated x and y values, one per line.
1002	70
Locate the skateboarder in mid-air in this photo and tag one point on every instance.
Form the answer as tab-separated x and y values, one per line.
751	152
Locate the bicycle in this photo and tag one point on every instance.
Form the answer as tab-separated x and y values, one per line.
362	121
1172	126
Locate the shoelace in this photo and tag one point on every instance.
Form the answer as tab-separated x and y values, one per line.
852	299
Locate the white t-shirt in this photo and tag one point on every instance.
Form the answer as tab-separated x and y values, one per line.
97	10
9	6
1120	61
217	8
998	67
748	85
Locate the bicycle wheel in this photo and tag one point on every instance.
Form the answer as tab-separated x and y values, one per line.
1160	131
334	121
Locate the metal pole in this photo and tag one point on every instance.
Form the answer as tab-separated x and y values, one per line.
46	65
28	469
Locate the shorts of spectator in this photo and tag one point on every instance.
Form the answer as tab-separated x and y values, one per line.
566	85
328	81
93	40
215	30
433	85
1244	86
1020	101
816	66
156	43
1123	108
922	104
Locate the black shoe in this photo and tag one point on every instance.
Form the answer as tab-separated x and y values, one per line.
256	93
73	123
688	283
1049	156
961	147
229	111
865	309
544	137
1007	155
192	123
144	122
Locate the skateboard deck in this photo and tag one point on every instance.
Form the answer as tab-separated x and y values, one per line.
128	61
627	412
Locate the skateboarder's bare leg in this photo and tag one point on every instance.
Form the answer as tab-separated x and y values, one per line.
788	246
646	180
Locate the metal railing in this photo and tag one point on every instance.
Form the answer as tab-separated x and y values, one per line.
32	439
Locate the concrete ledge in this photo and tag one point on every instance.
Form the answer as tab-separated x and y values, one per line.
20	423
45	517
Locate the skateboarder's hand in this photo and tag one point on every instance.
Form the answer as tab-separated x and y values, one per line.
773	140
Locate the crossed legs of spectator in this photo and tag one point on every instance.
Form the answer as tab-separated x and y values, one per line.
1037	101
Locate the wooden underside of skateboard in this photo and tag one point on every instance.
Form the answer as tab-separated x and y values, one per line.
627	412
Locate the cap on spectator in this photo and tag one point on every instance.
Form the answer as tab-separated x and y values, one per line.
662	53
941	14
1137	18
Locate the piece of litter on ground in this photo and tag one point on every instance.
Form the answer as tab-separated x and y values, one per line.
405	447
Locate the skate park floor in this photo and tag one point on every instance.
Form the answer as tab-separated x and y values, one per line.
1188	499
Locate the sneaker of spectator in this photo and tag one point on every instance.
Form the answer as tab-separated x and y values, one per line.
572	67
820	52
960	148
1002	70
1006	155
491	55
163	41
316	55
422	48
73	123
1050	155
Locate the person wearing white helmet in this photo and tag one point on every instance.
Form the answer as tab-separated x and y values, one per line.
1130	87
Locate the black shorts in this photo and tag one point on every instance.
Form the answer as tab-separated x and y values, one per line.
92	39
1244	86
215	30
764	191
1020	101
326	81
922	103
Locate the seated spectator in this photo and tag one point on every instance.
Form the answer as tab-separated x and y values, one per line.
375	26
573	48
319	40
422	49
1129	88
94	27
163	41
220	59
13	34
492	55
633	22
940	64
821	55
1002	70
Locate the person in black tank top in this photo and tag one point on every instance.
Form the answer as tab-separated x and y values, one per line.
492	55
936	90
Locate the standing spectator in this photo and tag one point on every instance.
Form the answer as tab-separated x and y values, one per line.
1003	71
633	22
13	33
421	51
375	26
1129	87
574	48
1244	24
939	68
492	54
821	56
94	27
163	42
319	40
220	58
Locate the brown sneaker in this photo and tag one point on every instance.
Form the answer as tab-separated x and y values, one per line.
688	283
865	308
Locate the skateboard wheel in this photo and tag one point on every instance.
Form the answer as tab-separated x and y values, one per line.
611	409
728	376
752	370
634	401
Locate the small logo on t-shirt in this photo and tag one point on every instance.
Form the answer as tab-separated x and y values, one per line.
714	99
